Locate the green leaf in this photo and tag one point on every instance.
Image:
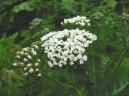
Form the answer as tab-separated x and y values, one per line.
26	6
120	87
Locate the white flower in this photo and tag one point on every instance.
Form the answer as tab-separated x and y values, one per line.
78	20
33	52
25	49
87	20
75	59
35	46
88	24
50	64
26	74
26	54
94	37
14	64
18	52
25	68
84	58
38	60
71	63
25	60
31	70
79	56
125	16
29	65
81	61
82	24
61	23
60	65
39	75
36	64
86	44
22	53
18	57
29	57
37	69
21	63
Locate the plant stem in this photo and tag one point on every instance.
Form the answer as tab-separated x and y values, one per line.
84	7
95	79
55	6
115	69
53	79
120	59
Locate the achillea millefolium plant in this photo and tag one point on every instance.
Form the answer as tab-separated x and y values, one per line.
61	57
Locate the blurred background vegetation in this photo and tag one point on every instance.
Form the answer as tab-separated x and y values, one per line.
18	30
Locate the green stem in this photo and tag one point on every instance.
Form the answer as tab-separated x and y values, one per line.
55	6
95	79
53	79
126	34
115	69
84	7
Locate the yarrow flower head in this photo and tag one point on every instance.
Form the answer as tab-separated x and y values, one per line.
27	61
67	47
78	20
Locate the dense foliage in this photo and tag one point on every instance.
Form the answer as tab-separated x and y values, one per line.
105	73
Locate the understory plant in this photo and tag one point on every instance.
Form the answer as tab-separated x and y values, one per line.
61	65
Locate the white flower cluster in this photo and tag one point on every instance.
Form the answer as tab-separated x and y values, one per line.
35	22
78	20
27	62
67	46
125	16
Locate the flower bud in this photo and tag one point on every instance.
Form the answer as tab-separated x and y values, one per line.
25	68
18	57
25	60
33	52
14	64
39	75
31	70
29	65
26	74
36	64
29	57
37	69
